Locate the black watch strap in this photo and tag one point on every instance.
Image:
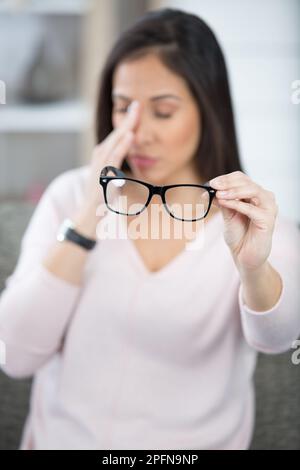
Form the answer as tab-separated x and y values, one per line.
73	236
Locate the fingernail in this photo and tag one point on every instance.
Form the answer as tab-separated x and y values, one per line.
133	106
223	193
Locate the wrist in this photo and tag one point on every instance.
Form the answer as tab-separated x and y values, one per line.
260	272
262	287
85	222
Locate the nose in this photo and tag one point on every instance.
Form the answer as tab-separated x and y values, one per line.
142	129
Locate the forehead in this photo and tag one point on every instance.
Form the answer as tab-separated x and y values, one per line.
146	76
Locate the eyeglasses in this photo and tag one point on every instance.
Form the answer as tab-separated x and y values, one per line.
128	196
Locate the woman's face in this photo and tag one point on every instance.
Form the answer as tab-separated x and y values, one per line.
169	123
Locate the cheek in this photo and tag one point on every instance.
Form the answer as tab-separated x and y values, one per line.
116	120
182	135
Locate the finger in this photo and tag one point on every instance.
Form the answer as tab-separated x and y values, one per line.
127	125
119	152
102	154
258	215
253	192
238	192
229	180
215	202
227	213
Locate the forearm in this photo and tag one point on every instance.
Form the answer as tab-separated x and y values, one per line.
34	313
261	288
66	260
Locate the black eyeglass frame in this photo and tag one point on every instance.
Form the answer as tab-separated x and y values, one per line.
160	190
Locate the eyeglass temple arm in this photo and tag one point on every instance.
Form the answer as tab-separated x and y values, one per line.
115	170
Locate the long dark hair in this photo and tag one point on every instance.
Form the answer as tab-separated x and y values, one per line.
188	47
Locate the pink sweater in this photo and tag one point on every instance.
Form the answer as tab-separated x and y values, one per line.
140	360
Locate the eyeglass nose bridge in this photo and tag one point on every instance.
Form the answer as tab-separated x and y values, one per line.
157	190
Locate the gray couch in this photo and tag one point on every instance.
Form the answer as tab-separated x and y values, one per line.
277	379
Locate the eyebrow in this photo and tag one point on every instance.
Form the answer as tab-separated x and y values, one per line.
153	98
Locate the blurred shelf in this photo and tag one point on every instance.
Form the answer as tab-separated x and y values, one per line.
62	116
53	7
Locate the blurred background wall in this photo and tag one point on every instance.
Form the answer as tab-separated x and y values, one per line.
43	116
51	54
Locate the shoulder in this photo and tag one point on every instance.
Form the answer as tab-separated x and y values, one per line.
66	191
73	179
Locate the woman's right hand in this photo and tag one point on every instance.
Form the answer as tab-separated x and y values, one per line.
111	151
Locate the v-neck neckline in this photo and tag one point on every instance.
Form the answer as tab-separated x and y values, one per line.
174	262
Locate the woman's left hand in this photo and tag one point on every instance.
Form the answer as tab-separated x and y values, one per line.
249	213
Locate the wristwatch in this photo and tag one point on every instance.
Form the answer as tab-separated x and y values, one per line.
67	231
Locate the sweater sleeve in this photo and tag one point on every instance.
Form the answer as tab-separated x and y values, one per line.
35	305
275	330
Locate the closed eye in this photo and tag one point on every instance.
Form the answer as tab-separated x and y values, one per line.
159	115
163	116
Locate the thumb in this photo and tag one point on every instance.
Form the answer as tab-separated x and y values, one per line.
226	212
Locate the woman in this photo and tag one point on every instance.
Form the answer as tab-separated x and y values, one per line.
139	343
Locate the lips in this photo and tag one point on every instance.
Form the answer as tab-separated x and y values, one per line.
143	161
142	156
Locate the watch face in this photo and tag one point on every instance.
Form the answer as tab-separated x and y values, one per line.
61	237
